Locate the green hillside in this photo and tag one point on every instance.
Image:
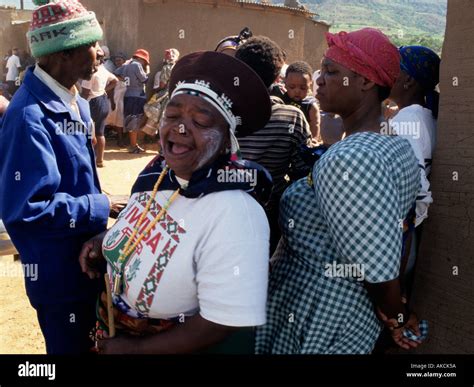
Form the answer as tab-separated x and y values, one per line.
406	21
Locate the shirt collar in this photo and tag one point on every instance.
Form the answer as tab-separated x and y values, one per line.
67	96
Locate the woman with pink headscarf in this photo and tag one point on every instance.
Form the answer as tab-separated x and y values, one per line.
334	278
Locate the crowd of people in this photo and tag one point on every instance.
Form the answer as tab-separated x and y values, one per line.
282	214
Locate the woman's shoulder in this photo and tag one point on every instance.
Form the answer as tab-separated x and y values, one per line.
230	217
233	202
361	148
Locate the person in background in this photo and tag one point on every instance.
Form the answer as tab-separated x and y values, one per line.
230	44
278	87
277	145
337	267
162	77
26	61
109	64
298	85
4	64
13	72
50	195
97	91
135	75
417	99
115	117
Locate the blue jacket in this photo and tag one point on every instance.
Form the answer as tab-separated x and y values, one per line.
50	196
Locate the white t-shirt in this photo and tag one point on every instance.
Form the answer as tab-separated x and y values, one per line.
210	256
418	126
98	82
13	64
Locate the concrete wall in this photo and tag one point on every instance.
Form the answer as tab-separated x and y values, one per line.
13	35
159	24
445	299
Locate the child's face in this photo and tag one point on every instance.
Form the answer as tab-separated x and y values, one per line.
298	85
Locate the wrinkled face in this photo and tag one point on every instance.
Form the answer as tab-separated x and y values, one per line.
83	61
339	89
298	86
192	134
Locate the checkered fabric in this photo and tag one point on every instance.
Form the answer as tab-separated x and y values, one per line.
363	188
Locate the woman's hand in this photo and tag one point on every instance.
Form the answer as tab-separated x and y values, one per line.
397	333
91	256
120	345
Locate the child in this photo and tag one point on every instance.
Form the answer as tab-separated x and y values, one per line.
299	86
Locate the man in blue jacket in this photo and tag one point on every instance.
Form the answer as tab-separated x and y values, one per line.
50	196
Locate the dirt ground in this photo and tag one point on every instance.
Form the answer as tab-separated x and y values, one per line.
20	333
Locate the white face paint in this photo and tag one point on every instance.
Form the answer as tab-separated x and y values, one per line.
214	139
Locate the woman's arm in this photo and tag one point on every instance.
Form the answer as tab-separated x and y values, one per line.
315	123
394	314
194	334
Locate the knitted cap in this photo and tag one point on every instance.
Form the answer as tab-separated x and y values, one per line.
59	25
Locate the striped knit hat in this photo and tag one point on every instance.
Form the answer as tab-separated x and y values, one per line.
59	25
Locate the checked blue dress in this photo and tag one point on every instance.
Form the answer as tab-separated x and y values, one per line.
350	213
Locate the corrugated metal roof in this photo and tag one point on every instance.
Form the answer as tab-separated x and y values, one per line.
278	6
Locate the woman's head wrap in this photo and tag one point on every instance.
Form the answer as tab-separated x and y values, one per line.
422	64
367	52
229	85
235	41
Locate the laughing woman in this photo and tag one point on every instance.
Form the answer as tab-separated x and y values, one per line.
339	256
188	256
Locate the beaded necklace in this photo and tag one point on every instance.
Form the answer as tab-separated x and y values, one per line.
129	246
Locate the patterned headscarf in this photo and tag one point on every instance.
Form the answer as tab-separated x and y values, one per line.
422	64
367	52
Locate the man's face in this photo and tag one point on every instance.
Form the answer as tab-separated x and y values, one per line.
83	61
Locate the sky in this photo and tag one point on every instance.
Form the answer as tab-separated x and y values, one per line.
28	3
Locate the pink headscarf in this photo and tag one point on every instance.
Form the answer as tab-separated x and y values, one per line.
367	52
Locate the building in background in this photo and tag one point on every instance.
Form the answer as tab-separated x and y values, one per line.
193	25
14	24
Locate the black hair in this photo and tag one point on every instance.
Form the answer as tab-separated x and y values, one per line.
264	56
300	67
383	92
